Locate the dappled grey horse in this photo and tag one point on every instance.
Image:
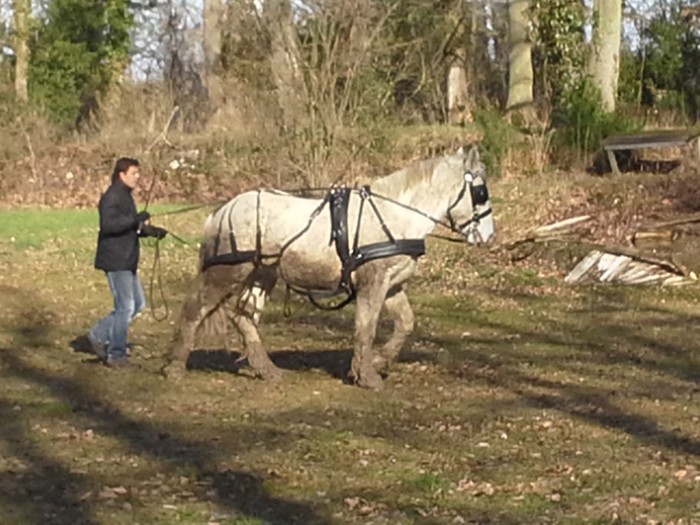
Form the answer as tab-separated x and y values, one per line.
362	242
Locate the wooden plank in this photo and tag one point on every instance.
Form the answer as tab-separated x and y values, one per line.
583	267
641	145
650	139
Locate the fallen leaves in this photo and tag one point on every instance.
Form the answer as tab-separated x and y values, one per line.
112	492
475	488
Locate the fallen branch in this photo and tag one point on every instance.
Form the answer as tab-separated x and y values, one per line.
32	155
675	222
163	135
556	226
558	231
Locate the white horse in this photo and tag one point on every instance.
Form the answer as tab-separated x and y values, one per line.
260	237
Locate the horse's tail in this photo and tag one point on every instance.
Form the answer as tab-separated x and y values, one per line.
216	323
208	245
211	234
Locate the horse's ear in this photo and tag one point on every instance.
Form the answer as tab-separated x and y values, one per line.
473	157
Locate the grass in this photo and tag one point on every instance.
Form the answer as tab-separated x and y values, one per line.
519	400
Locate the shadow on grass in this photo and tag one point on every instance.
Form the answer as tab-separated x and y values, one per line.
45	490
236	491
39	489
585	341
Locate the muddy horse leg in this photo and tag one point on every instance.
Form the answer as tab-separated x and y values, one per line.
245	316
206	296
400	312
369	306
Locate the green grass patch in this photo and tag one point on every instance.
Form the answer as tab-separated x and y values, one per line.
25	229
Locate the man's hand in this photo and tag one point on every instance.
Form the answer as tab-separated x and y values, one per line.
148	230
142	216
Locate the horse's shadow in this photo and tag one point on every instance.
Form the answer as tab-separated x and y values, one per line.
336	363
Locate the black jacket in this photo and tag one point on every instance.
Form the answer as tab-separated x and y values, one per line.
118	240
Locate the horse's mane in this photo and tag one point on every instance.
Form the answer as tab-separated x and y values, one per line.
398	182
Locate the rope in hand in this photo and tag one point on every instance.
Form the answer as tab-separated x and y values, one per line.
156	273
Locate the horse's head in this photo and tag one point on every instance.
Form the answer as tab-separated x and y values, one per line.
470	212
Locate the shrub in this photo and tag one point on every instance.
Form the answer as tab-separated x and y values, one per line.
582	123
498	138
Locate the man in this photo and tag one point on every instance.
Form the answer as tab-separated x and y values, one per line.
118	256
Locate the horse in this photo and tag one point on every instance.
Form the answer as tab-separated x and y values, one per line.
261	237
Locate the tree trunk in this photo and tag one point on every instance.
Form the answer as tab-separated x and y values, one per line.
284	60
605	60
520	78
214	22
458	103
22	12
458	108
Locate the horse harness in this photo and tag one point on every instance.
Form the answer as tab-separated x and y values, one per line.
338	199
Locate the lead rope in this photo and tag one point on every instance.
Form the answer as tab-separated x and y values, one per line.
155	268
157	278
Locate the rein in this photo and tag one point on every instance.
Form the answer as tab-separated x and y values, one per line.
157	276
156	279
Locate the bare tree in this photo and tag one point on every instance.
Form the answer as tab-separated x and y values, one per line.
215	12
184	65
22	12
285	60
605	60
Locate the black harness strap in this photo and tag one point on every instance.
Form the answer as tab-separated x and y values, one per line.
380	250
340	200
368	197
351	261
233	258
236	256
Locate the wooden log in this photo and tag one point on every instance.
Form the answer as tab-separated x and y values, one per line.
653	239
555	226
558	231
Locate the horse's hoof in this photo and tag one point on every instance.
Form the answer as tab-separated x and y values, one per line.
173	371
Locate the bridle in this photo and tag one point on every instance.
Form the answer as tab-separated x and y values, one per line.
479	195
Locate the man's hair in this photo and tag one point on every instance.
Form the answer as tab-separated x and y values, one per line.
122	165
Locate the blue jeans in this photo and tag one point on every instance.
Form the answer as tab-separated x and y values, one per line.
129	300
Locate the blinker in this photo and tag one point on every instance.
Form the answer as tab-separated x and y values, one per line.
480	194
